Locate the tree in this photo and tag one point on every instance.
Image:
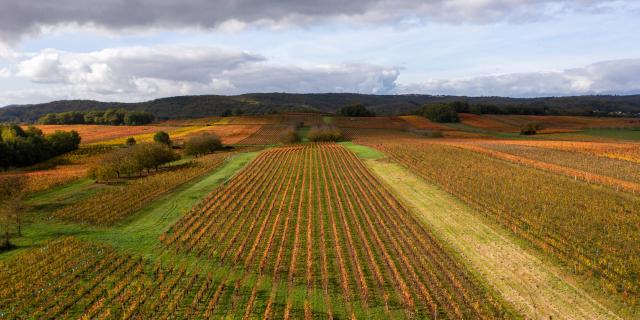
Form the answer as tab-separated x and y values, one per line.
530	129
226	113
136	118
25	147
62	141
356	110
110	117
162	137
324	133
290	135
135	159
12	191
131	141
440	113
201	145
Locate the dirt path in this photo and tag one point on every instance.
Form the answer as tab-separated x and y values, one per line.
535	288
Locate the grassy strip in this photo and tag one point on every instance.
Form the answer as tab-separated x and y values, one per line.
141	233
363	152
615	134
536	288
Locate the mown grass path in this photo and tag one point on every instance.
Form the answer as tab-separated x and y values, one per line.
535	287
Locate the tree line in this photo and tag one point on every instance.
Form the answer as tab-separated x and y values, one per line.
109	117
19	147
136	159
132	160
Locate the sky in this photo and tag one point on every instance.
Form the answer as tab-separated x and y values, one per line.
121	50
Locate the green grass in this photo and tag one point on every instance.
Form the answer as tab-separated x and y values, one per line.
327	119
619	134
304	133
362	151
138	234
66	193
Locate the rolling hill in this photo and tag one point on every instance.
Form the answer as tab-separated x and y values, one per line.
266	103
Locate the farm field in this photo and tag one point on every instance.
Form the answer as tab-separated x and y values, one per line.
550	124
546	209
118	203
59	170
309	222
537	289
405	219
98	133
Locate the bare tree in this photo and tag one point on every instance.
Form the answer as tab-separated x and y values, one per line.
12	192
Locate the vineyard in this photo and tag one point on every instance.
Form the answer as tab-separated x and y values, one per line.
267	134
513	123
316	220
100	133
71	279
404	218
60	170
115	204
600	165
548	210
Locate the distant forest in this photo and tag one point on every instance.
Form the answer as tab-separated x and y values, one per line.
269	103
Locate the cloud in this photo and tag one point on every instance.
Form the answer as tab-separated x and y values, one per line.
141	73
5	73
606	77
122	69
360	78
18	18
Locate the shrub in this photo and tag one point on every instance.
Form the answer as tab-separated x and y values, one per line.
162	137
324	133
131	141
290	135
530	129
201	145
356	110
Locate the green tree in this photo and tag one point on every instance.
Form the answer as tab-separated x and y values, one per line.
356	110
131	141
440	113
62	141
162	137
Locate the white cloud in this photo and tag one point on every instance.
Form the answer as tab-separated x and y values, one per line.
5	73
140	73
606	77
123	69
18	18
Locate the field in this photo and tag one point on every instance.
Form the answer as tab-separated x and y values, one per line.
550	124
98	133
407	219
546	209
309	220
118	203
60	170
